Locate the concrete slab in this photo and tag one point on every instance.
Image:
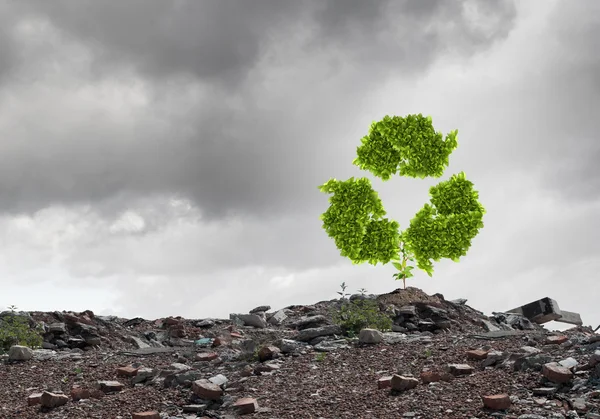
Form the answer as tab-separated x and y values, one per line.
540	311
570	318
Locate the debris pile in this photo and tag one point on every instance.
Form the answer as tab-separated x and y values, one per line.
441	359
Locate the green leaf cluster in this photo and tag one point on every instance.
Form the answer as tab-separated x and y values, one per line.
355	221
407	145
446	227
353	316
15	330
443	228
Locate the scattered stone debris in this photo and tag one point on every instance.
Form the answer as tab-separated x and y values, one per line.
442	359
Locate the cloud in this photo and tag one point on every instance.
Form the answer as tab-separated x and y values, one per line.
196	102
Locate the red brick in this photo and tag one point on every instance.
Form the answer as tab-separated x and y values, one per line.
127	371
402	383
53	400
78	393
33	399
556	340
206	356
384	382
497	401
207	390
477	354
146	415
430	377
246	405
556	373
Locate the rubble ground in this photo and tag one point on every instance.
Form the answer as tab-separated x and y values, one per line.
442	359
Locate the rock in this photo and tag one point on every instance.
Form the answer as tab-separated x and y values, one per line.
268	352
490	326
408	310
266	367
330	346
19	353
34	399
207	390
142	375
128	371
384	382
51	400
146	415
533	362
595	359
579	405
477	354
309	322
311	333
246	405
497	401
370	336
205	323
219	380
492	358
459	301
206	356
289	346
459	369
253	320
57	328
79	393
260	309
556	340
569	363
277	318
402	383
109	386
556	373
430	377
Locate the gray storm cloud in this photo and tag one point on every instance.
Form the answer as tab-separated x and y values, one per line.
241	97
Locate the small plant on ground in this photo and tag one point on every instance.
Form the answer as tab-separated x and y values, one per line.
15	330
320	357
343	293
443	228
353	316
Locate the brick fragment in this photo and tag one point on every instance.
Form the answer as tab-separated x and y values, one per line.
146	415
497	401
246	405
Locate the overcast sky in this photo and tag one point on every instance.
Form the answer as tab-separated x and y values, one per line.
163	157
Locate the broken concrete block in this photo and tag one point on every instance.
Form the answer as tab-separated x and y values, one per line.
540	311
570	318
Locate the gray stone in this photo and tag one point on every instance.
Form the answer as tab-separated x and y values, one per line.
309	321
277	318
408	310
219	380
370	336
289	346
490	327
493	357
459	301
253	320
205	323
260	309
311	333
569	363
57	328
20	353
142	375
330	346
532	362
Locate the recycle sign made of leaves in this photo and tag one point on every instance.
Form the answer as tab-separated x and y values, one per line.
443	228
